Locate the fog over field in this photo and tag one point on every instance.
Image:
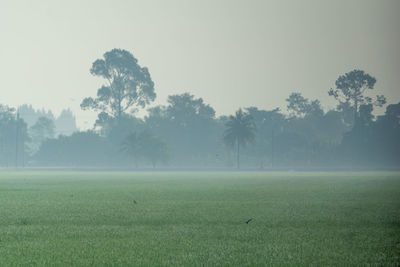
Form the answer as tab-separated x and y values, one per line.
314	83
204	61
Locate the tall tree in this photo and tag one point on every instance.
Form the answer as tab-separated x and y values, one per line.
127	86
146	146
185	107
66	123
388	135
43	128
131	146
153	148
189	127
13	137
300	106
269	123
30	115
240	131
351	88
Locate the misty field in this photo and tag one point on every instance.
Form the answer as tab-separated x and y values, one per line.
191	219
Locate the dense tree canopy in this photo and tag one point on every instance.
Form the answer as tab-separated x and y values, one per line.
300	106
350	90
43	128
189	127
127	85
146	146
13	138
186	133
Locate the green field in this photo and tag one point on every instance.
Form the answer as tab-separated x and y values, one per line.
191	219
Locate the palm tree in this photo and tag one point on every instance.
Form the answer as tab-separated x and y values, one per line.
240	131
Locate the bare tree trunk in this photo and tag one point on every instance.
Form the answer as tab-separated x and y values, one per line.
238	153
273	147
355	112
16	141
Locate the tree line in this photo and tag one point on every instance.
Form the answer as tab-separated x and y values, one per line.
186	133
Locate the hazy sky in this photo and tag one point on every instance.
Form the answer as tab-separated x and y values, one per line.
231	53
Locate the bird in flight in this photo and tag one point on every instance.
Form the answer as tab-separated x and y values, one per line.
247	222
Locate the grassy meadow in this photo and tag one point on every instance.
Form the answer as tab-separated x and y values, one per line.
192	219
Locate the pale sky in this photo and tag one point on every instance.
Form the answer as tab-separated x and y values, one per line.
231	53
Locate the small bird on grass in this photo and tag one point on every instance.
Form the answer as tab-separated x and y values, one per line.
134	202
249	220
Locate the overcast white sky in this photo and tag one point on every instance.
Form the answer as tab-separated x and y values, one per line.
231	53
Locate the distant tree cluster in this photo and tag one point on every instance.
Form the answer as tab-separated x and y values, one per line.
186	133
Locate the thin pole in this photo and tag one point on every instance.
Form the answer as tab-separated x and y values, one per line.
16	141
238	152
23	150
273	146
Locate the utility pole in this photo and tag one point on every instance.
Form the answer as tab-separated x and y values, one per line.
16	140
23	149
273	146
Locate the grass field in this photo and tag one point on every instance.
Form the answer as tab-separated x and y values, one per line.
191	219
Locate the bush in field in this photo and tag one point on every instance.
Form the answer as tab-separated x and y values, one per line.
146	146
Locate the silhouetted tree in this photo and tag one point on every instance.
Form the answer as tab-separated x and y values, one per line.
189	127
332	127
346	111
79	149
116	130
13	138
145	146
131	146
153	148
300	106
350	89
240	131
269	124
40	131
387	136
31	115
66	123
183	108
127	85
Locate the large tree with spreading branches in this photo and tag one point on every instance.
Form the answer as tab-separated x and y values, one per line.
127	85
351	88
